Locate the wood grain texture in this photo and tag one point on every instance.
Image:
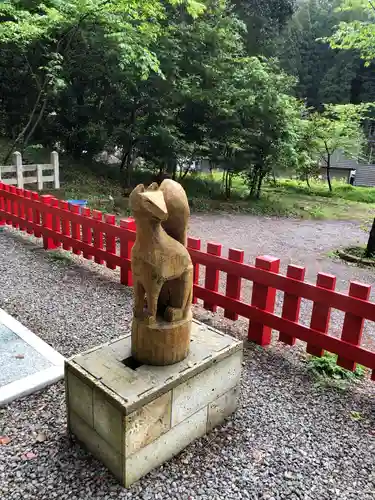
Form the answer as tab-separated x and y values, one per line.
162	274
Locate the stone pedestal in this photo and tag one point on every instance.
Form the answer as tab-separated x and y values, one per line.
134	417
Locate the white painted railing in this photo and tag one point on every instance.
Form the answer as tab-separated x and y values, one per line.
44	172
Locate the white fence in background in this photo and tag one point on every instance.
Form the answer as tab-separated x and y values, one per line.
35	174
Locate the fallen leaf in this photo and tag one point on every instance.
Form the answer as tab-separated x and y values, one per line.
29	455
40	437
4	440
355	415
19	356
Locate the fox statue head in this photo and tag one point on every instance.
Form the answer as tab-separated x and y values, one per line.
148	202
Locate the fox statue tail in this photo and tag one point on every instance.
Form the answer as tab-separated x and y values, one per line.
177	204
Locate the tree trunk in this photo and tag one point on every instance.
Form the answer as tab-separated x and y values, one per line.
36	123
128	170
254	180
329	171
24	130
123	161
370	249
228	182
308	180
259	187
274	178
223	180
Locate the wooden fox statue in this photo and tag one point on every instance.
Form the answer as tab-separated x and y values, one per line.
161	265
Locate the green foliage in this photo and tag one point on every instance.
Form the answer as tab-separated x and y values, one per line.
337	129
340	190
358	34
327	367
264	20
325	75
166	83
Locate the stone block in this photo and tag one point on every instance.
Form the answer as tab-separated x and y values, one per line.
133	418
199	391
147	423
166	446
222	407
97	446
107	420
80	398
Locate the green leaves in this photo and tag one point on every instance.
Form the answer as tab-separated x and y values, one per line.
358	34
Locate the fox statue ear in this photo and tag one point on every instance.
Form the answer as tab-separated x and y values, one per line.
153	187
139	189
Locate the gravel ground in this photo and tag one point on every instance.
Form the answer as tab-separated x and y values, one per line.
289	439
305	243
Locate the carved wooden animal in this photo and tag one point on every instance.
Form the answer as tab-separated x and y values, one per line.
161	264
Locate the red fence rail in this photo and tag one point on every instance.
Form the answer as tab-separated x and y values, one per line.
101	239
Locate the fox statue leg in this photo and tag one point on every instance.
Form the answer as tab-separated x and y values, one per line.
181	300
152	296
139	298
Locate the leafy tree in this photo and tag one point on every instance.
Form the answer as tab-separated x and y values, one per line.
358	34
337	128
53	26
264	20
325	75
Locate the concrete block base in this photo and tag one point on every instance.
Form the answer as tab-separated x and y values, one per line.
135	417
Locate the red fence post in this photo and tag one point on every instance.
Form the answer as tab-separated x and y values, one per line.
76	229
353	325
110	240
212	275
97	235
65	223
2	203
126	246
321	313
21	207
263	297
7	203
292	303
194	244
86	231
36	215
28	211
56	223
14	205
233	288
48	242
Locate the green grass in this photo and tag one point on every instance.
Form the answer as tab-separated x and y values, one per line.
97	183
318	188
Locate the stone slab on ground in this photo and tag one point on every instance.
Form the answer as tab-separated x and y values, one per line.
27	363
134	418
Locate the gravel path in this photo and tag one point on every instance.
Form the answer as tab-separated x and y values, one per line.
305	243
290	439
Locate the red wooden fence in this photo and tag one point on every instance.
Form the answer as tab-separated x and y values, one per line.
99	238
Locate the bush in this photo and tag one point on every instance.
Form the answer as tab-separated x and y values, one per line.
327	367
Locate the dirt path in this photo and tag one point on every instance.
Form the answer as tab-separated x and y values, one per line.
305	243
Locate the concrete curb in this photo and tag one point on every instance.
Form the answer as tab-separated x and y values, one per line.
31	383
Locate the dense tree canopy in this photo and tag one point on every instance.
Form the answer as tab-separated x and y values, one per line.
177	81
